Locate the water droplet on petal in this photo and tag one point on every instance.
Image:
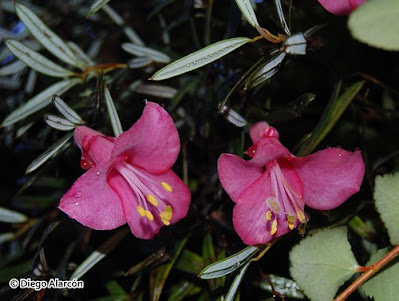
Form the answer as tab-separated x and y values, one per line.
77	195
76	203
98	173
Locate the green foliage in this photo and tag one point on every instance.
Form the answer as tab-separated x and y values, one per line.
386	195
321	263
376	24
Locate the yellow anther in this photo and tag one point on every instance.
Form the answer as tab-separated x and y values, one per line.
301	216
149	215
141	210
166	215
268	215
290	224
271	201
153	201
166	186
274	227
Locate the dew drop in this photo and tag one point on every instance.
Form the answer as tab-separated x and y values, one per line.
188	65
210	55
98	173
194	63
77	195
237	265
76	203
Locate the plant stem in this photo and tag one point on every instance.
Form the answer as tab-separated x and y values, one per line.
366	275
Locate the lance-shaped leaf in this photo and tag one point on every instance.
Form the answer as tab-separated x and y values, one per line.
99	254
46	36
139	62
281	17
36	61
247	11
59	123
66	110
49	153
266	71
113	115
39	101
295	44
321	263
155	90
236	283
138	50
10	216
229	264
80	54
96	6
12	68
200	58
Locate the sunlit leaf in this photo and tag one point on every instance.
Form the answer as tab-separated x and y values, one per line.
39	101
96	6
113	115
99	254
200	58
236	283
66	110
284	286
376	24
36	61
384	285
386	195
247	11
12	68
281	17
233	117
80	54
59	123
10	216
321	263
49	153
46	36
228	265
155	90
295	44
138	50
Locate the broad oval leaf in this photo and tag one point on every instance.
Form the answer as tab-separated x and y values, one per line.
236	283
96	6
66	111
39	101
50	152
36	61
386	195
384	285
376	24
229	264
321	263
46	36
12	68
247	11
113	115
138	50
59	123
10	216
200	58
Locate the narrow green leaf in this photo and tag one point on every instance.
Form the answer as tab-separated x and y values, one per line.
295	44
39	101
96	6
113	115
46	36
99	254
159	275
189	262
6	237
138	50
182	290
66	110
386	195
247	11
49	153
208	256
59	123
321	263
376	24
153	259
12	68
384	285
155	90
200	58
284	286
80	54
228	265
15	271
236	283
10	216
281	17
140	62
36	61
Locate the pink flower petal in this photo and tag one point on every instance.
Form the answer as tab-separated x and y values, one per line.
152	142
92	202
175	194
236	174
340	7
268	151
329	177
257	130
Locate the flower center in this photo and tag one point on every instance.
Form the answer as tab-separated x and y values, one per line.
150	201
284	203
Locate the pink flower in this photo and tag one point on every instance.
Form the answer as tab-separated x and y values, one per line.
271	189
341	7
129	178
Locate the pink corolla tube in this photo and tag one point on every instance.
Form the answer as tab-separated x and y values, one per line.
341	7
129	178
272	189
